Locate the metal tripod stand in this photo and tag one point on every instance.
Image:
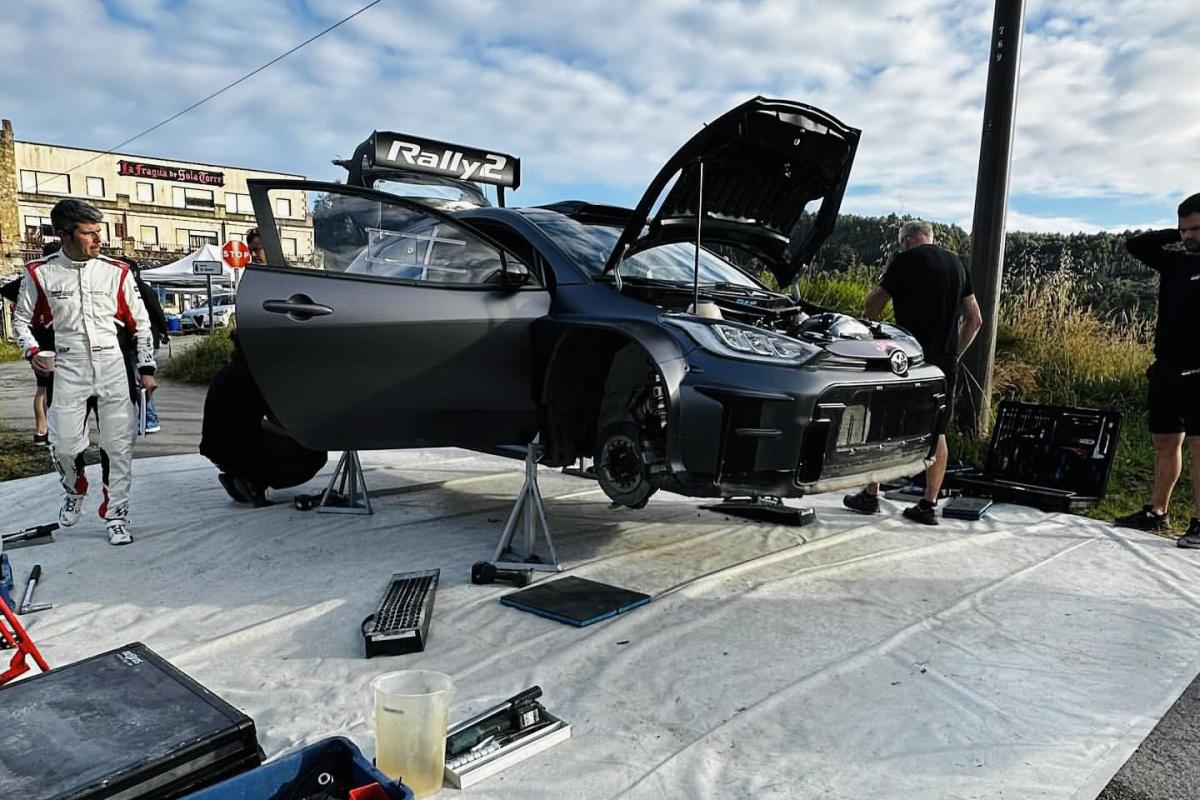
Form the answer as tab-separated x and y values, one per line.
347	489
529	515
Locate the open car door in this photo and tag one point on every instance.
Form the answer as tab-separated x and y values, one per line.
380	323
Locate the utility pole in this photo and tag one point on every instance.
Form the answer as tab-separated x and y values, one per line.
991	201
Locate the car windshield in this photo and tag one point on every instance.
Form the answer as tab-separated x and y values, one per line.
590	246
440	192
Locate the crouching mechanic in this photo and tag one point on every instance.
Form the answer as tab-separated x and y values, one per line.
85	298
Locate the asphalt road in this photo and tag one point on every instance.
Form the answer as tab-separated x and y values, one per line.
180	406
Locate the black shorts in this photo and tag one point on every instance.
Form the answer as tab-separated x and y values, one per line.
1174	399
44	381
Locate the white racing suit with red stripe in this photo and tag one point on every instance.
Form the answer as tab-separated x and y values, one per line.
84	302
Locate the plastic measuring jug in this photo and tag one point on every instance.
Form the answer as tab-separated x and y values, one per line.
412	712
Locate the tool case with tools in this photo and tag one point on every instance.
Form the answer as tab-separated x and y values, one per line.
1056	458
123	724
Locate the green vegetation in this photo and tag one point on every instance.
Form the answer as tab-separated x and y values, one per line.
1052	348
20	458
201	362
9	351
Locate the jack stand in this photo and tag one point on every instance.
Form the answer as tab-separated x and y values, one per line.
528	512
13	635
764	509
582	468
348	487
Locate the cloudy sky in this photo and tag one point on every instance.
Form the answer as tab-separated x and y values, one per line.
594	95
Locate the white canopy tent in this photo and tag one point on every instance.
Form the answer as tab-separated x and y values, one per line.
178	275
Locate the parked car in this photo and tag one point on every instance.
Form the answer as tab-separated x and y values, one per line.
224	310
445	321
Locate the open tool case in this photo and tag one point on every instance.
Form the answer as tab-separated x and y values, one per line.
1056	458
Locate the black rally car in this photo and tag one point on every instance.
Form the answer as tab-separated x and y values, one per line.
424	316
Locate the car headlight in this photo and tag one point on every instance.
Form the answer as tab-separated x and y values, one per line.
743	341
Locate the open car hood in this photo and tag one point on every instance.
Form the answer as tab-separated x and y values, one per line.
774	175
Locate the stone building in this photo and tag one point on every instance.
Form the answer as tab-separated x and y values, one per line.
155	209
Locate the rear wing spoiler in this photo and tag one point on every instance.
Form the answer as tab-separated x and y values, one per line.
398	155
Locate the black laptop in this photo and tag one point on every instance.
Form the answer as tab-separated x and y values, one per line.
1056	458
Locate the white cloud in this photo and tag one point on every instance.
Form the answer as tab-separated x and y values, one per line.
594	96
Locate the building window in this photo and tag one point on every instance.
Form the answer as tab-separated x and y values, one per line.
148	233
45	182
238	203
289	247
182	197
95	187
283	207
197	239
119	228
34	227
145	194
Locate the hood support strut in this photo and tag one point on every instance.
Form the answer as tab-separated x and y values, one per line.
699	225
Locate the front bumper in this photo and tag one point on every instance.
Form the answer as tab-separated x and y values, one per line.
800	431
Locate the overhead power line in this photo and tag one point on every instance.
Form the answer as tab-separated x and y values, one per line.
227	87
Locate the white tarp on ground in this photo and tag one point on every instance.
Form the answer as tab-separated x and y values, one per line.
1024	656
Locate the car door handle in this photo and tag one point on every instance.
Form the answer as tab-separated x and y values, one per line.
297	309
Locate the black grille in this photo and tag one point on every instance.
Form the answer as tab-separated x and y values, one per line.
879	423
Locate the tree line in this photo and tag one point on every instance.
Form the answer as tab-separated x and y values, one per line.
1106	278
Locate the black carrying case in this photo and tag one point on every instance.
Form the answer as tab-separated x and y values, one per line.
1056	458
121	725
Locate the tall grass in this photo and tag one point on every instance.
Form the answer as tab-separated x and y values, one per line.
1050	347
202	361
9	351
844	291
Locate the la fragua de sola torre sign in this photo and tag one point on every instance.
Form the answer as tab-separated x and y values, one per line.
140	169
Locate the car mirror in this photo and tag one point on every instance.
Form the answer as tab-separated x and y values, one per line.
514	274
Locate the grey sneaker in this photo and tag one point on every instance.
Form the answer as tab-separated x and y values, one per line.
1144	520
862	502
1191	539
119	532
72	507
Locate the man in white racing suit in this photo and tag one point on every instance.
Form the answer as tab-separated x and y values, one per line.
85	298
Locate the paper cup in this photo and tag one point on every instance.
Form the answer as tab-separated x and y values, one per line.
45	359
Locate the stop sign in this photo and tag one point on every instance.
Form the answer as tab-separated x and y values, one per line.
235	254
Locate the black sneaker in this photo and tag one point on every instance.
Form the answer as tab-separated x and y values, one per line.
1191	539
232	490
922	513
41	439
862	502
1144	520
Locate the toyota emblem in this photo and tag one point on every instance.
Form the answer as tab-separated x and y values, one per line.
899	361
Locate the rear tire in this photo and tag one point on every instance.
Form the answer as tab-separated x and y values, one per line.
619	466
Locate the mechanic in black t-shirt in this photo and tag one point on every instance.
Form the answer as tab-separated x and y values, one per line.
931	294
1174	401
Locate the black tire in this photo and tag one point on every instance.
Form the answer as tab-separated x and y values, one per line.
619	467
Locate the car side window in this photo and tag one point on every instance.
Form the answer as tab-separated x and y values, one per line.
364	236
